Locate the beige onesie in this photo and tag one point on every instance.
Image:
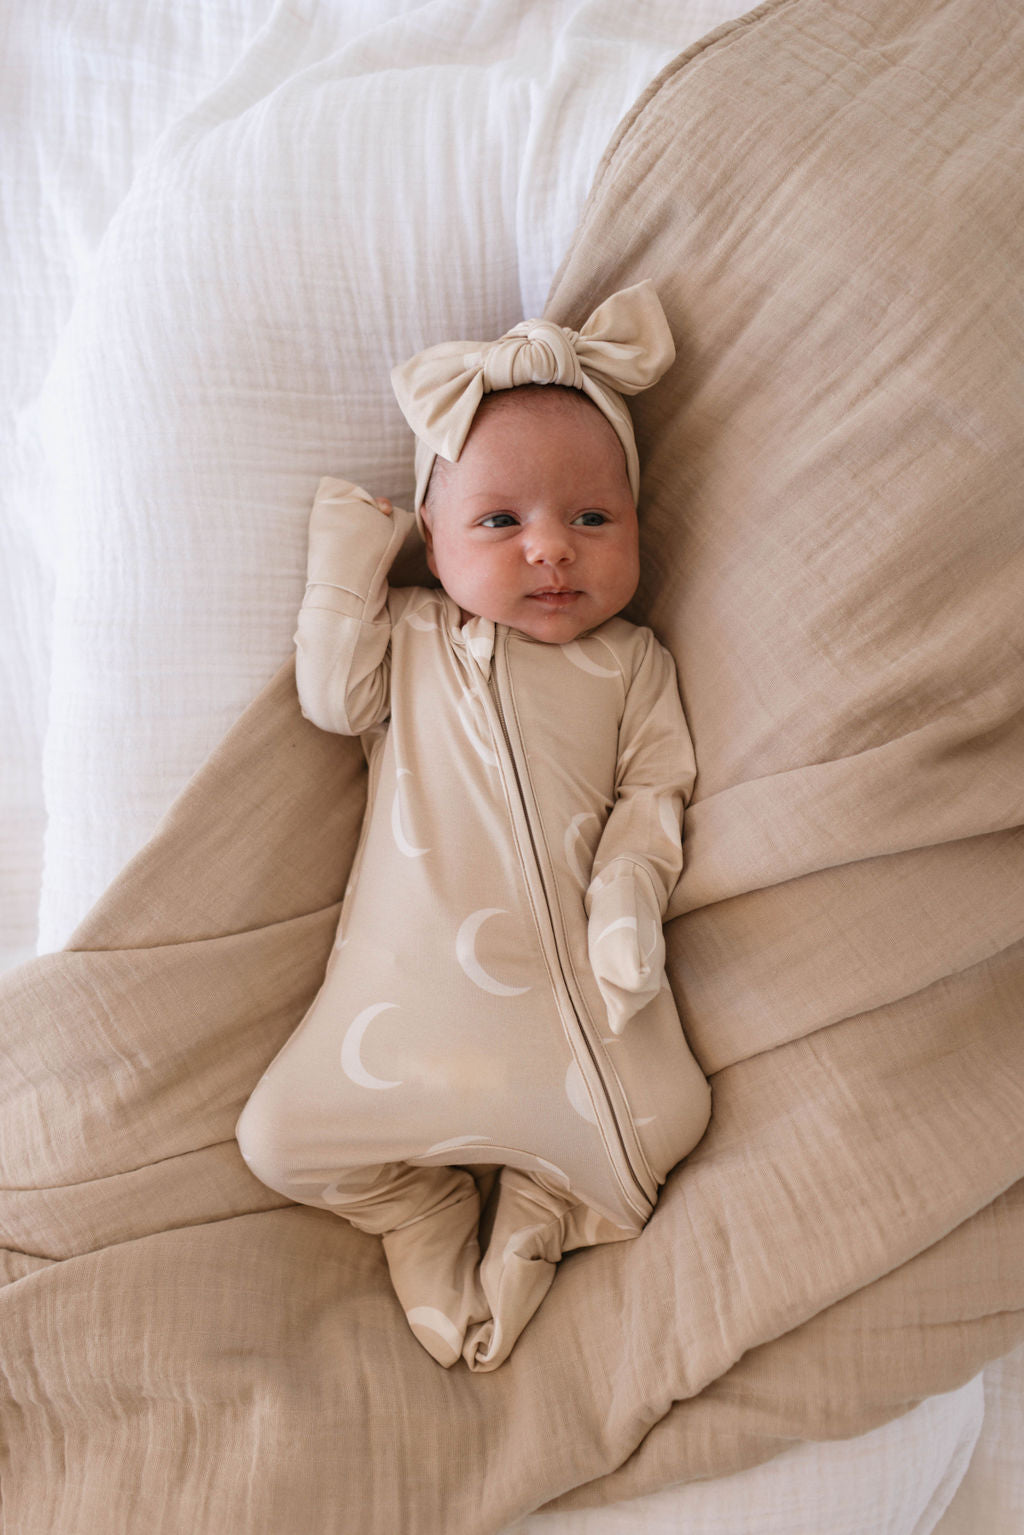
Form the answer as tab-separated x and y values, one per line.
495	997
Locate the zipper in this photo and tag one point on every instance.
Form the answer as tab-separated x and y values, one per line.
632	1171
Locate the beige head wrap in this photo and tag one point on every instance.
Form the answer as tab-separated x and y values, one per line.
624	347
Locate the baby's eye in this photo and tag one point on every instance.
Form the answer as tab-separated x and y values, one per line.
498	520
591	519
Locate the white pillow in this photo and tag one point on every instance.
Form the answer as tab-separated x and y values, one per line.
85	91
335	205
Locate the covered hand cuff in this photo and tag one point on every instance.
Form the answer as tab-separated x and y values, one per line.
625	940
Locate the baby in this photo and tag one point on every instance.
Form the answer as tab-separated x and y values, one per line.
494	1015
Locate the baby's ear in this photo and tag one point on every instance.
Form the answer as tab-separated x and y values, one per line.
428	539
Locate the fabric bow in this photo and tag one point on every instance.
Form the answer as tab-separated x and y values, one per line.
625	346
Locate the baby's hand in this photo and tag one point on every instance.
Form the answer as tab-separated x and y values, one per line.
384	504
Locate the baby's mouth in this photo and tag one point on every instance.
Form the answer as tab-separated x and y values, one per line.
555	596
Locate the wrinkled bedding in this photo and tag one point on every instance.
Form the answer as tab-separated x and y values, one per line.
85	93
833	555
226	223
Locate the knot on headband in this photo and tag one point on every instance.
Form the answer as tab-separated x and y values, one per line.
535	352
625	346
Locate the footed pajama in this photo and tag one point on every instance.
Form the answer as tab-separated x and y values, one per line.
495	997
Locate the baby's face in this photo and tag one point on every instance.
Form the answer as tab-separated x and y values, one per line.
535	526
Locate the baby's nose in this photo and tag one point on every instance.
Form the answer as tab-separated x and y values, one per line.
549	545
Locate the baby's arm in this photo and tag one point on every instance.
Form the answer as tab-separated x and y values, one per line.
640	855
343	661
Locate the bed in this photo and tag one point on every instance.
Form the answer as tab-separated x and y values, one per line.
223	226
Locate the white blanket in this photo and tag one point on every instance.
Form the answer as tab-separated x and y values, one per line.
85	91
319	190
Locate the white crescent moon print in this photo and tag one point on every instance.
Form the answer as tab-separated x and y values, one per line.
401	840
457	1143
668	815
572	843
351	1061
465	953
575	653
554	1173
630	924
617	926
416	620
430	1316
483	751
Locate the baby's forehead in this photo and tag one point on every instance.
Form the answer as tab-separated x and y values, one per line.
537	399
552	408
505	433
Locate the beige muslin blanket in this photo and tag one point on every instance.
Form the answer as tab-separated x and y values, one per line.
828	198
